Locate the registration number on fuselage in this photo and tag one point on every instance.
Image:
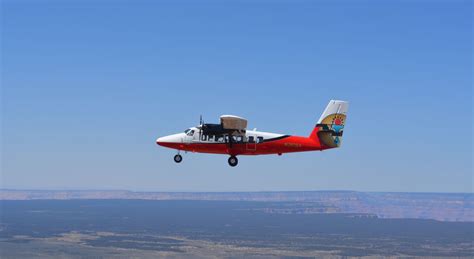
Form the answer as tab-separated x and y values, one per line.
292	145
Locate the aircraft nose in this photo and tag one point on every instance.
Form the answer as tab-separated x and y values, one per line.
159	141
163	140
170	140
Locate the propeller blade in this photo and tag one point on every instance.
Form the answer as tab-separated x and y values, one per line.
200	128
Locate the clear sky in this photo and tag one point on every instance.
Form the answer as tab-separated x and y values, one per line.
87	87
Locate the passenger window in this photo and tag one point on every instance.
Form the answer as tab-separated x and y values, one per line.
259	139
203	137
251	139
220	139
239	139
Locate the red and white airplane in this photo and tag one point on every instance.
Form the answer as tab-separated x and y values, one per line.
231	137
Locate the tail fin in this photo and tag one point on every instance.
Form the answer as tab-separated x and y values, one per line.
330	126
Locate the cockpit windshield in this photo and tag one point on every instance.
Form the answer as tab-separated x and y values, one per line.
189	132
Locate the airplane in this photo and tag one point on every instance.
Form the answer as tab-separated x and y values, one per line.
232	138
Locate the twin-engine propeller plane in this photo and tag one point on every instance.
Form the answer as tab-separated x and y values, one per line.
232	138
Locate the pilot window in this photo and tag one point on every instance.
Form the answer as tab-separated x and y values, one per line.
190	133
251	139
259	139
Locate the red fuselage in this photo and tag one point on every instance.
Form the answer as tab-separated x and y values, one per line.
278	145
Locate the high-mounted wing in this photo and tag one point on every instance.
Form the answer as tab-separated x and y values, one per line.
231	122
229	125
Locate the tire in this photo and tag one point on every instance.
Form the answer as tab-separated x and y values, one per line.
178	158
233	161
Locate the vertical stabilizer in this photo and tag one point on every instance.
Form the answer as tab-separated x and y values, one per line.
330	126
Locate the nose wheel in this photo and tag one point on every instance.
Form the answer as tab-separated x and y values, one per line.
233	161
178	158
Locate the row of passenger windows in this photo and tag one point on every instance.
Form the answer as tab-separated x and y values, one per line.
235	139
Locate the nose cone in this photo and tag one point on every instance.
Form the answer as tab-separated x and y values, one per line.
159	141
165	141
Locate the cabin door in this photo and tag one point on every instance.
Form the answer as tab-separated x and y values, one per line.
251	144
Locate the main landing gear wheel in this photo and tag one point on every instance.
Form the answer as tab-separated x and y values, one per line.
178	158
233	161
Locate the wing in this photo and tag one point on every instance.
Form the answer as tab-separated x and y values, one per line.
230	125
231	122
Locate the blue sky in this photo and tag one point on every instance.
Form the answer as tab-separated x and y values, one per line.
87	87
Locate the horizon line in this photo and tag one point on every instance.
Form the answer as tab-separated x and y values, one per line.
223	192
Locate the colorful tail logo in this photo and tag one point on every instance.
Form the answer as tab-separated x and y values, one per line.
330	126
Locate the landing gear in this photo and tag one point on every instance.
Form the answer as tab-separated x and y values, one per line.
233	161
178	158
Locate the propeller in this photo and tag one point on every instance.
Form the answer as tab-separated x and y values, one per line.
201	122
